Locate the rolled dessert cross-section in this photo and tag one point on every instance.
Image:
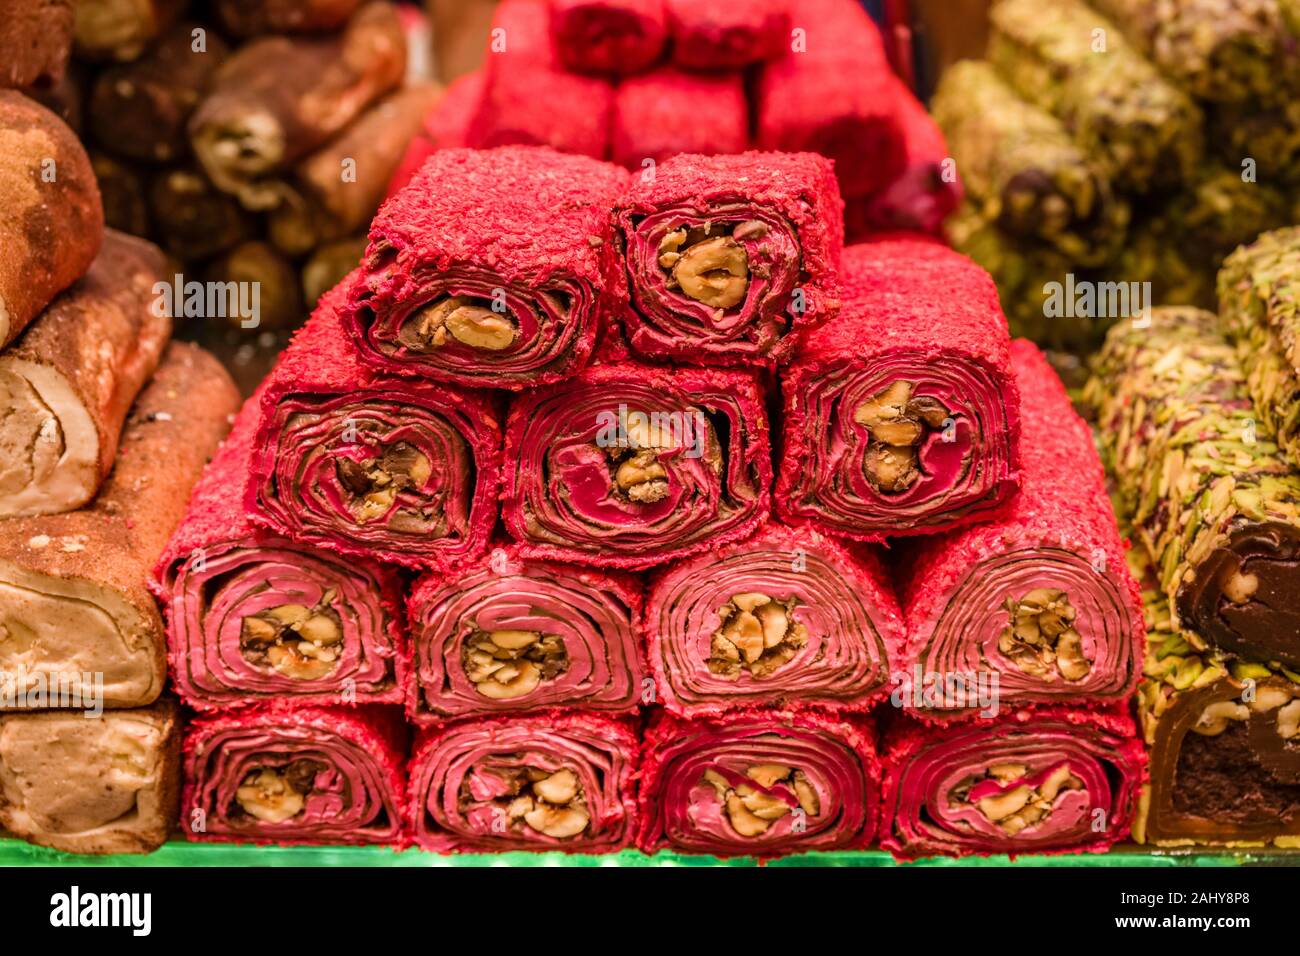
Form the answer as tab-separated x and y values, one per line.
1042	597
1049	780
1222	739
529	98
1211	497
608	36
370	465
720	35
66	386
253	616
902	416
631	465
926	193
730	257
106	784
802	103
764	783
510	634
278	98
555	782
75	614
51	217
655	116
315	775
1022	169
786	617
519	303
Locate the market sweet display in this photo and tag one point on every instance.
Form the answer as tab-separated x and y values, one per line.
633	487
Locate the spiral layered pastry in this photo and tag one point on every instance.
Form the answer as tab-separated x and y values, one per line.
511	634
314	775
1042	597
515	305
630	465
762	783
786	617
558	782
902	416
1037	781
728	257
253	616
368	465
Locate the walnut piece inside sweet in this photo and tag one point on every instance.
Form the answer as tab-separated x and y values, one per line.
300	642
898	424
1019	803
507	664
457	318
1040	638
549	802
276	794
708	265
374	483
759	634
773	791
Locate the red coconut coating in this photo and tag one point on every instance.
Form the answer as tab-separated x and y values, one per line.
797	189
208	563
600	628
1060	533
528	97
602	752
630	539
722	34
845	600
924	764
680	810
446	126
364	748
320	370
926	193
608	36
913	311
656	116
831	92
551	234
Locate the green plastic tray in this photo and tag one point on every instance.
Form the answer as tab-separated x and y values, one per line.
179	853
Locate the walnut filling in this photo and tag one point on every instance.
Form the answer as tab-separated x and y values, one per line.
1019	806
375	482
549	803
274	795
898	424
300	642
504	665
758	634
458	318
776	791
707	265
1214	719
1040	637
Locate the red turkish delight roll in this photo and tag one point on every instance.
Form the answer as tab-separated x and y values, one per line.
730	256
316	775
656	116
787	617
831	92
902	415
516	299
511	634
555	782
1035	781
928	190
253	616
721	34
608	36
632	465
446	126
758	782
367	464
529	98
1042	598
